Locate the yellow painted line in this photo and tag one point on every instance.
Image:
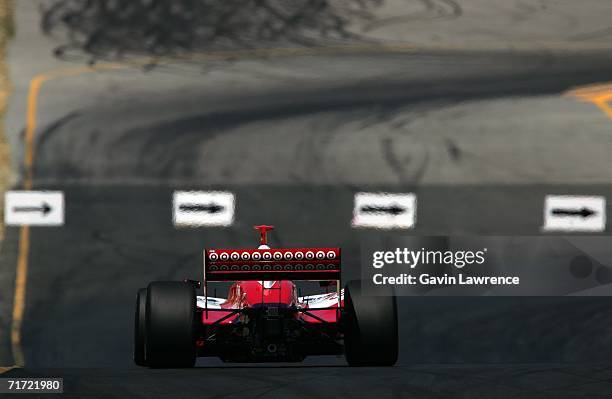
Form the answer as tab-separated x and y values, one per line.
598	94
19	299
6	369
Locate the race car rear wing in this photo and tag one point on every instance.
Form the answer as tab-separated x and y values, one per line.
314	264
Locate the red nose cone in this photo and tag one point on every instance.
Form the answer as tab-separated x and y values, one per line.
263	233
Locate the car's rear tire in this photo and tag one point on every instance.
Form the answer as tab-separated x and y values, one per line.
370	327
170	339
140	327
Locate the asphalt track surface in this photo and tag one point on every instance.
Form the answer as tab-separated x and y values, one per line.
541	381
119	161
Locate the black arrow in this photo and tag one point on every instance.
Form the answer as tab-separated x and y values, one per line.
583	212
210	208
44	208
393	209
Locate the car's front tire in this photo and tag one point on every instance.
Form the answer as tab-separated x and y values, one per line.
140	327
370	327
170	339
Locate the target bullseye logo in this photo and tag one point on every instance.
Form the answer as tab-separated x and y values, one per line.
283	259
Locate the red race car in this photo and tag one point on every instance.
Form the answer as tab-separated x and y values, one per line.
263	318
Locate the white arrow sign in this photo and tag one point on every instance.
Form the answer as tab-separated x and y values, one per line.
34	208
573	213
385	210
203	208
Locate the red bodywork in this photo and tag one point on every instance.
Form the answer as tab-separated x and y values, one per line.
243	294
263	318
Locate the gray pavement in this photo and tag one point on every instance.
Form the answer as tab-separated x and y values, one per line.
493	23
538	381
